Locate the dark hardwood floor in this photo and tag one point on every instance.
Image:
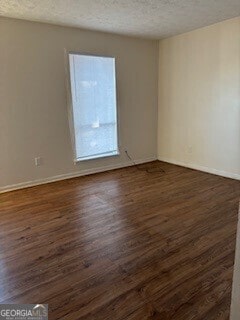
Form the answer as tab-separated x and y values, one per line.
124	244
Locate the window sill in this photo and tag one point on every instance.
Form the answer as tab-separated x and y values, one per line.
99	156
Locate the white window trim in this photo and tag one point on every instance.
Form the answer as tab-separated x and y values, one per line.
70	109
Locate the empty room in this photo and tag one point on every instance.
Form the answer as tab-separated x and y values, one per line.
119	159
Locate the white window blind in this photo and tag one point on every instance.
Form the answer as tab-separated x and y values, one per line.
93	89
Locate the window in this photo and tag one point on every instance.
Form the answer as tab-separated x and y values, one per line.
93	90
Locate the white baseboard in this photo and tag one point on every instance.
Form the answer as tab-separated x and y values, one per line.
73	175
202	168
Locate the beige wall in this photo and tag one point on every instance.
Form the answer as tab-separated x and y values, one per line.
33	99
199	99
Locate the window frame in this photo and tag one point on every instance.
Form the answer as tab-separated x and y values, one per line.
70	108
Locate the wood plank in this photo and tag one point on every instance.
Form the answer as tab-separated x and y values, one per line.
134	243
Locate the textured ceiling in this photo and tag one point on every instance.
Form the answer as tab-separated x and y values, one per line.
146	18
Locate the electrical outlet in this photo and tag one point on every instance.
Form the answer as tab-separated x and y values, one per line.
38	161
